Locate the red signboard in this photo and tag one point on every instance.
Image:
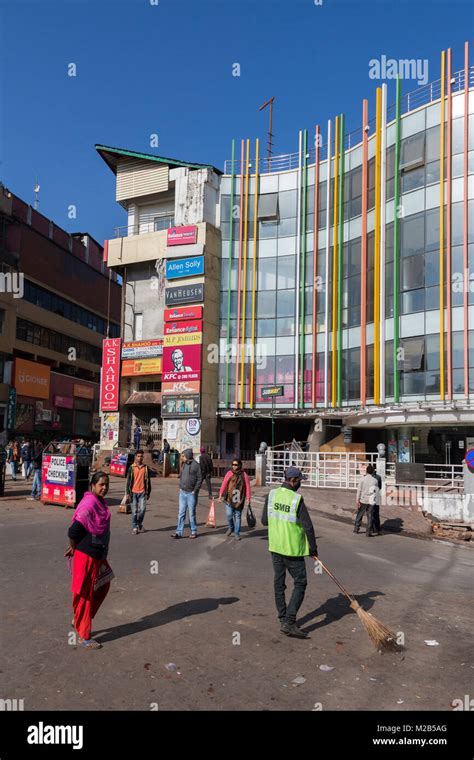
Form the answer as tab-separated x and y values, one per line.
64	402
183	312
109	398
183	328
182	235
58	480
178	360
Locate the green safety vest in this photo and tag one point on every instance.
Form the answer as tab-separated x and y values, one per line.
285	534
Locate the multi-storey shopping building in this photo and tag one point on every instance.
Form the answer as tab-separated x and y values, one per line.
347	276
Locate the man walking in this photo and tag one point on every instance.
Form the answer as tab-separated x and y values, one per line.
138	489
190	480
27	457
36	487
365	501
290	539
207	469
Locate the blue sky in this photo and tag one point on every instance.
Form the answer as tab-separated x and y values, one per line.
167	69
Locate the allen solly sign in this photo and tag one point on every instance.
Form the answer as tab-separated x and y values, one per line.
109	397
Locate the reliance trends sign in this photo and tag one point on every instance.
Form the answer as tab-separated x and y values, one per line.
109	397
190	267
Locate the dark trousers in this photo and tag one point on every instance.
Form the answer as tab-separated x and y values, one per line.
207	478
373	519
297	569
360	513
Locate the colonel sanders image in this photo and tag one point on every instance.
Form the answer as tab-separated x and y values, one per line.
177	359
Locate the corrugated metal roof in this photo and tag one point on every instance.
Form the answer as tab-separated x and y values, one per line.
109	154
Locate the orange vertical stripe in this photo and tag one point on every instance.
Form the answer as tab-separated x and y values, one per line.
315	261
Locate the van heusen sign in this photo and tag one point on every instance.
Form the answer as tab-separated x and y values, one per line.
182	235
109	397
184	294
32	379
190	267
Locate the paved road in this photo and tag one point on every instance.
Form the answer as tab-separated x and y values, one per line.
210	612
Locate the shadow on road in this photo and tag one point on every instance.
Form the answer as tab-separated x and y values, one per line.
336	608
163	617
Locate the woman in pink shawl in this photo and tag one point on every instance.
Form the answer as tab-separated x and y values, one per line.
89	537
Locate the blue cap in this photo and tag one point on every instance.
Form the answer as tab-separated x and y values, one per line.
294	472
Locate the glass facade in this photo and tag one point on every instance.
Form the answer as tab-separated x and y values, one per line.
285	341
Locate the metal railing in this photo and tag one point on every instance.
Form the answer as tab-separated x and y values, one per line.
147	223
421	96
438	477
322	469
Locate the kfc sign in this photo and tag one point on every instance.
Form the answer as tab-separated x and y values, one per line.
109	397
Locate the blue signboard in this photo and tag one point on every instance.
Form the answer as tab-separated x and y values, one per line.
190	267
469	459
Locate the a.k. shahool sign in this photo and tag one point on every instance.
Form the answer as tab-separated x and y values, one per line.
184	294
190	267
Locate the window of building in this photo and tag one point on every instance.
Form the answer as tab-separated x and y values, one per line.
412	152
268	207
137	326
163	222
42	336
150	386
413	354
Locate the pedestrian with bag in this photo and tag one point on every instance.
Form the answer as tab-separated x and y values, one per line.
365	501
207	469
190	480
89	537
290	539
14	458
139	490
234	492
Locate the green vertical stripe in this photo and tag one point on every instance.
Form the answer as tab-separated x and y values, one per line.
340	243
303	264
229	279
396	248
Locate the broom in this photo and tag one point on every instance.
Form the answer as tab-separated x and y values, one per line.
382	637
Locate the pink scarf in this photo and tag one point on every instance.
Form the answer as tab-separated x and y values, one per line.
93	513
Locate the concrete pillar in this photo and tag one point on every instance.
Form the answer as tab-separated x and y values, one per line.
260	470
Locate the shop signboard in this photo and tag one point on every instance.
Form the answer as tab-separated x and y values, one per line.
133	367
182	327
190	267
181	363
179	387
58	479
142	349
11	409
183	312
184	294
64	402
109	400
182	235
32	379
180	406
83	391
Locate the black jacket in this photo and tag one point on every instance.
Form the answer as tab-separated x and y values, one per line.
95	546
205	463
190	478
303	518
131	475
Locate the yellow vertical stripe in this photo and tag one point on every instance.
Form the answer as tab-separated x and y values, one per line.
377	315
244	298
441	231
254	278
334	262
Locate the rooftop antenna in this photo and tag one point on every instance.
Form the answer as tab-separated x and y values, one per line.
36	190
270	129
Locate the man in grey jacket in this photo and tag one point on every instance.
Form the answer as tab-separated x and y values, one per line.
366	500
190	480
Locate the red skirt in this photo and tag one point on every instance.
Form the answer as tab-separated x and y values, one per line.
86	601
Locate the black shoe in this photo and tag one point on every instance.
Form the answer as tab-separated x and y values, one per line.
291	629
356	530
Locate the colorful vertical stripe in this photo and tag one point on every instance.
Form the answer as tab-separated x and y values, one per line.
239	275
334	267
328	244
304	192
449	350
231	242
244	297
315	267
378	134
340	243
465	221
363	254
396	246
254	278
441	230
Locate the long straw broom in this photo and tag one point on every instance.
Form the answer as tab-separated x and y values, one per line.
382	637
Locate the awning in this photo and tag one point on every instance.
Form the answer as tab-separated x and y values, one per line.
144	397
